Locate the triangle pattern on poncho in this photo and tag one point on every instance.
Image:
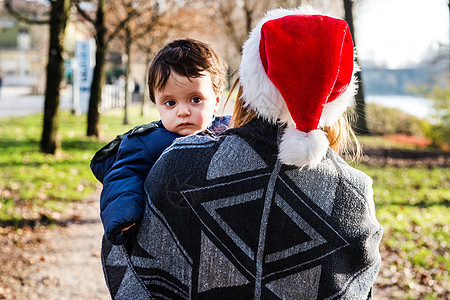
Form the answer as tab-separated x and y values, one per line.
303	235
128	287
213	208
243	158
308	279
215	270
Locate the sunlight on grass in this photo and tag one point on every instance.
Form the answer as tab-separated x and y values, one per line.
420	186
413	208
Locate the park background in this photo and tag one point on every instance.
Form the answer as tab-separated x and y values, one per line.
49	196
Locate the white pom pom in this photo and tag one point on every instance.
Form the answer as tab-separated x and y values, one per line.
302	149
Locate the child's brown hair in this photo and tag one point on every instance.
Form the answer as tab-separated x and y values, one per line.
186	57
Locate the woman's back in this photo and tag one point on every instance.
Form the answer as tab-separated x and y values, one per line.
265	211
232	222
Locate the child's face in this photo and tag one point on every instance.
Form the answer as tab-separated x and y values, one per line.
186	105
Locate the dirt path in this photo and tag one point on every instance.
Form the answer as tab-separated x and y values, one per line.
62	262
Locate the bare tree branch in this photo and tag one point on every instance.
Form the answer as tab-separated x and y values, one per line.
229	25
83	13
249	9
119	27
23	16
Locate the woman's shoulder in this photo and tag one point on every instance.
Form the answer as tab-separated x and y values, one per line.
347	172
333	165
351	186
330	177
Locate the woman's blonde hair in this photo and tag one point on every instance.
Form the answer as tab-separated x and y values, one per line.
340	135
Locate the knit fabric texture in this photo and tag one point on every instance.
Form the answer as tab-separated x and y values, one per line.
224	219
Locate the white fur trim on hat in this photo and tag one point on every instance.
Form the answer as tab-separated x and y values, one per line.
302	149
259	93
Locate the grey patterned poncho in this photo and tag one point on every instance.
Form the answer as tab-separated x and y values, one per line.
225	220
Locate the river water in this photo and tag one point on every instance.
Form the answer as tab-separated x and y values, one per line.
417	106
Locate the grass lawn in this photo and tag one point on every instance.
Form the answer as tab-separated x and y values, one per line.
412	203
413	206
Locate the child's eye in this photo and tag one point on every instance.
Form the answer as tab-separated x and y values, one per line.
196	100
169	103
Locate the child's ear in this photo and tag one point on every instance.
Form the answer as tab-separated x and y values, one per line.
218	98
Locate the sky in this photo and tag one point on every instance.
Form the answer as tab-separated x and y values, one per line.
398	33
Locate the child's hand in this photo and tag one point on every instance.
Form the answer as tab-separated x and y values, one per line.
125	229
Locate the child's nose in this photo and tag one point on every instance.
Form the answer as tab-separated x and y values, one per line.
183	111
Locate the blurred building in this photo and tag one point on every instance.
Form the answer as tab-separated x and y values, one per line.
23	53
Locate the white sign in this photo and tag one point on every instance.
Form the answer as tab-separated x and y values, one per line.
85	56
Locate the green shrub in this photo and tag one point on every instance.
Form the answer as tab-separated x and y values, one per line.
382	120
439	129
439	135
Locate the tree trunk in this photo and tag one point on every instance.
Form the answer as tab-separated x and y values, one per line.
126	107
58	20
360	126
93	116
145	92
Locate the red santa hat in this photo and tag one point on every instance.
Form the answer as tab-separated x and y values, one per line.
298	68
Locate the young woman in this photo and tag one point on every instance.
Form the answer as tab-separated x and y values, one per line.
267	210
